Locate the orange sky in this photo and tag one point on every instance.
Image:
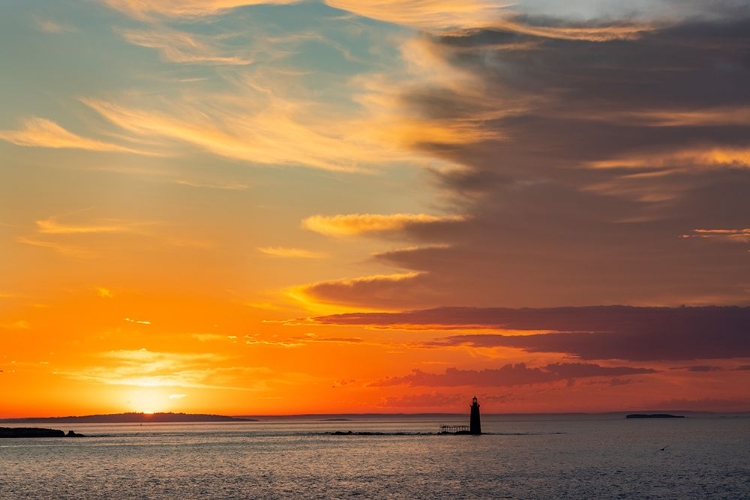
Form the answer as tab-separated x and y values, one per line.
205	205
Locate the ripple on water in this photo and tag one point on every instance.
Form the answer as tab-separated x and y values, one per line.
705	458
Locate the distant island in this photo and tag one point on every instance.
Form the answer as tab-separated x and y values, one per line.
653	415
128	418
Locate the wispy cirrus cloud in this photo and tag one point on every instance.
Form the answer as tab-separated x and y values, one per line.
17	325
61	248
730	235
57	234
40	132
692	158
185	8
353	224
267	131
144	368
183	47
291	253
52	225
685	117
446	15
427	14
53	27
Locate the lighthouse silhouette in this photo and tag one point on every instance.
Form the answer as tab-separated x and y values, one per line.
475	425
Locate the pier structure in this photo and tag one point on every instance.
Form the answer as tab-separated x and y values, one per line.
475	424
454	429
474	428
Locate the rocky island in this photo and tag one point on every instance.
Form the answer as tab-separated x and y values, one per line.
34	432
128	418
653	415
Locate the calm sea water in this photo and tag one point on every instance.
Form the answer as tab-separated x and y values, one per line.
521	457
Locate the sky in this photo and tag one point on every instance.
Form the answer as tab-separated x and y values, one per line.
253	207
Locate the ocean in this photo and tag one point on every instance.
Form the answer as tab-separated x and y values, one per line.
552	456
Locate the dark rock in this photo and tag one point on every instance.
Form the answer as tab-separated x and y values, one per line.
653	415
29	432
72	434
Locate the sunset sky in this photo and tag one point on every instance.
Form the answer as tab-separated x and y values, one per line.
256	207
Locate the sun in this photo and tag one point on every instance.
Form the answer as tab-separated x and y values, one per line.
148	401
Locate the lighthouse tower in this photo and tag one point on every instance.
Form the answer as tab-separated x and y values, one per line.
475	426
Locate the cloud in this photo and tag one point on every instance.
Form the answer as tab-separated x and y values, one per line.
55	230
695	158
615	382
426	14
185	8
104	293
138	322
446	15
511	375
589	333
53	27
229	186
182	47
144	368
425	400
255	340
258	127
17	325
52	225
63	249
291	253
663	109
600	33
40	132
382	290
700	368
353	224
730	235
709	117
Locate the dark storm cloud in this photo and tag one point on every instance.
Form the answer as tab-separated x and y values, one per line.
604	153
700	368
511	375
617	332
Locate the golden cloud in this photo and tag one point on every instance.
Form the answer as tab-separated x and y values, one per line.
730	235
291	253
716	157
53	27
442	15
283	132
53	226
144	368
352	224
376	289
184	8
426	14
67	250
711	117
182	47
591	34
40	132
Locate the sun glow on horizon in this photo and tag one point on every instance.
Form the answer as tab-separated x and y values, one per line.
147	401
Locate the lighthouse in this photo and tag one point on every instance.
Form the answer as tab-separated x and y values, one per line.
475	425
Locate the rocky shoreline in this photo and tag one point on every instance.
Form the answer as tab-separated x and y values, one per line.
34	432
